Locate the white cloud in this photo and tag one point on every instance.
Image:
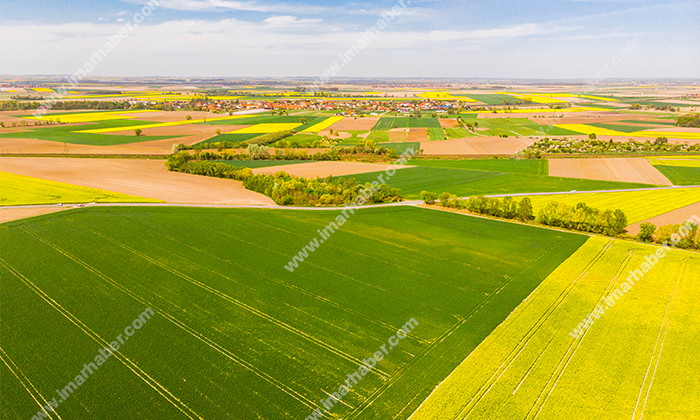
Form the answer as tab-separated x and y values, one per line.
290	22
229	5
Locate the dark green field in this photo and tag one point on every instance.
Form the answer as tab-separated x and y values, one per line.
493	98
401	147
518	127
235	335
522	166
66	133
387	123
680	175
464	182
622	128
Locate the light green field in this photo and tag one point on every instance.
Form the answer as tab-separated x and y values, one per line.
20	190
637	205
686	162
635	360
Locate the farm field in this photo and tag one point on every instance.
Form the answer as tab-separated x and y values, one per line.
681	171
637	205
387	123
323	169
69	134
474	146
266	335
467	182
530	367
139	177
522	166
673	217
19	190
611	169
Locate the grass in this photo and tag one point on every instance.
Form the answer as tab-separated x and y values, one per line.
493	99
387	123
530	364
518	127
436	133
621	128
401	147
20	190
266	334
466	182
681	175
458	133
637	205
68	134
379	136
522	166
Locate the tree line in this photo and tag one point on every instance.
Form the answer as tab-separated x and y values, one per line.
580	217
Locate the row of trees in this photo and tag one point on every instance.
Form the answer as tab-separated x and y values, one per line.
689	120
288	190
580	217
690	238
506	208
592	145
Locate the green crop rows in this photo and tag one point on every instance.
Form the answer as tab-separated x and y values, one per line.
235	335
386	123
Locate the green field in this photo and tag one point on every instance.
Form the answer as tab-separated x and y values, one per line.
621	128
683	171
19	190
67	134
518	127
493	98
458	133
436	133
521	166
234	333
637	205
401	147
635	361
465	182
387	123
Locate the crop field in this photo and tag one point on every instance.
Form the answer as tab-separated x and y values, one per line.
401	147
248	337
492	98
436	133
598	131
68	134
19	190
323	125
458	133
240	119
522	166
518	127
530	367
78	117
535	98
387	123
266	128
637	205
681	171
466	182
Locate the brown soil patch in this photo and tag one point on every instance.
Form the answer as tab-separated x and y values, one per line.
476	146
418	134
353	124
144	178
448	122
674	217
615	169
8	213
324	169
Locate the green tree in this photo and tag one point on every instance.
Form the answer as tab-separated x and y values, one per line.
428	197
188	117
444	197
138	132
525	212
592	136
646	232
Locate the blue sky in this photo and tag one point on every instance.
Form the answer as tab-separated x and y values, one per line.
429	38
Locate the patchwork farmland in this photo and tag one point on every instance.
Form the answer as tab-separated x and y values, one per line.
369	251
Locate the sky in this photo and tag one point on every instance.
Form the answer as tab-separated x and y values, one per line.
562	39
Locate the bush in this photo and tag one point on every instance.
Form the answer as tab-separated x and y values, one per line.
646	232
428	197
138	132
